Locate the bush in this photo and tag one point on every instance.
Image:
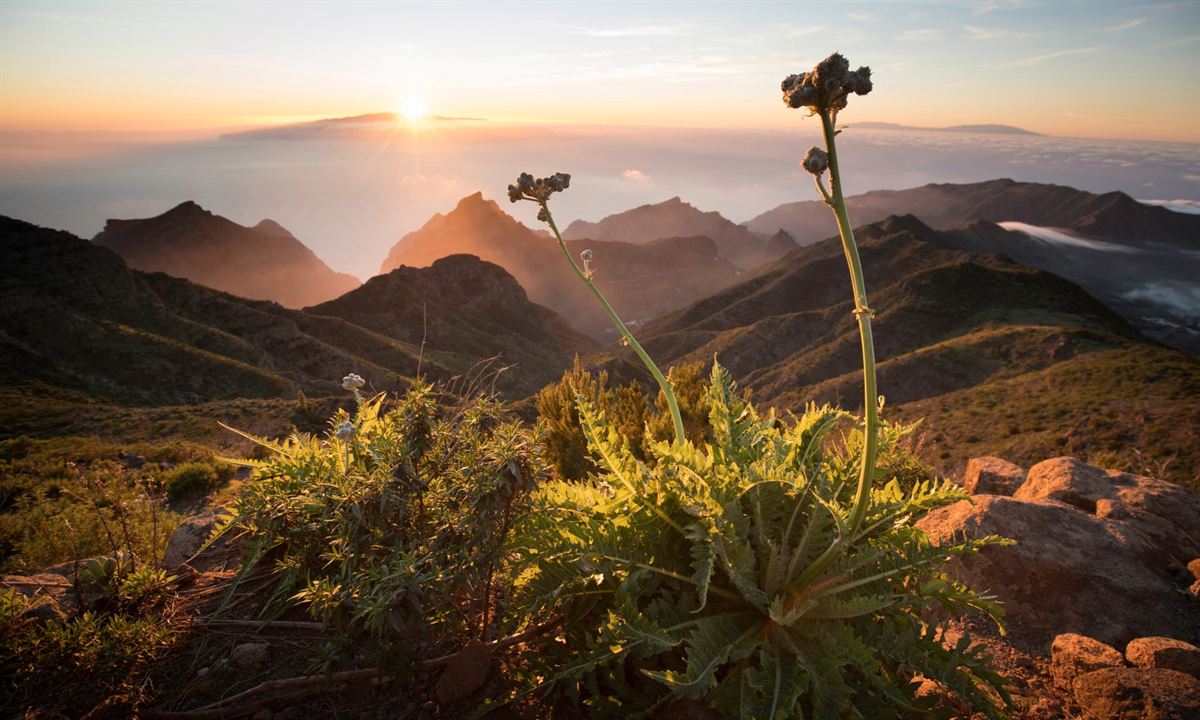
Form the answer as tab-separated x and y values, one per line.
195	479
393	525
731	574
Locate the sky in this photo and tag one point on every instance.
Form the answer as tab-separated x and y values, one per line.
1091	70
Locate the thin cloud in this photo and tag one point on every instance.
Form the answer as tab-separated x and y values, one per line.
635	175
635	31
981	33
920	34
862	17
1039	59
793	31
1136	22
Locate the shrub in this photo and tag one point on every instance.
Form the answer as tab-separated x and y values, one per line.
730	574
194	479
393	525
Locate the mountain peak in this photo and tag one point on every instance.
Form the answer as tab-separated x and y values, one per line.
188	208
270	227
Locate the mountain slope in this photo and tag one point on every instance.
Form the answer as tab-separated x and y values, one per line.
476	305
1139	259
641	281
74	316
265	262
949	324
675	218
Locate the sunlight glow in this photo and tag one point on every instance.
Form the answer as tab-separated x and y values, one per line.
412	108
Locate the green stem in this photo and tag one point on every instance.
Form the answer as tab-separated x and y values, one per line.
661	379
862	312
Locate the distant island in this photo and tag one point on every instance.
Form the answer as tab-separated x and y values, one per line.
990	129
333	127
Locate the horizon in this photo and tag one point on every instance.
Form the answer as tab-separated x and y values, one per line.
183	69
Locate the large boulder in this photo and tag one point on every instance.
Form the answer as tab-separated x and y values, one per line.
1138	694
1090	556
1164	517
50	596
1161	652
992	476
1072	655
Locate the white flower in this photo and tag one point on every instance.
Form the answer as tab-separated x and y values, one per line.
345	431
352	382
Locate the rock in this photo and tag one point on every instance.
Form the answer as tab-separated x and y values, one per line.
251	656
1070	571
1194	568
51	595
992	476
465	673
1138	694
187	539
1194	590
1163	517
1073	655
1162	652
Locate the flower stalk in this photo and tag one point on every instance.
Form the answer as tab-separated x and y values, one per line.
824	91
586	277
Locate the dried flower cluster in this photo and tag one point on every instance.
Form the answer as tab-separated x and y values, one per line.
538	190
826	87
353	382
816	161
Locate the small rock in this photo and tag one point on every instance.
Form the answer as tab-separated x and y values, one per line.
992	476
251	655
465	673
1194	567
202	672
1194	590
187	539
1161	652
1073	655
52	596
1121	693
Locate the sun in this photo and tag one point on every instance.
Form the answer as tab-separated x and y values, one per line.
412	108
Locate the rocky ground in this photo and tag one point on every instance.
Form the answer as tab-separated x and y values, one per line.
1101	591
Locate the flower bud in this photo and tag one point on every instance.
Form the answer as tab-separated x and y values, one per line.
816	161
345	431
353	382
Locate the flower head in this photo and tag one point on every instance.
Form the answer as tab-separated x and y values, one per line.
345	431
538	190
816	161
586	257
353	382
826	87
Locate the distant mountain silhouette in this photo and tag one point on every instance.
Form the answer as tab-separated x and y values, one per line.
75	316
641	280
985	128
676	218
265	262
1140	259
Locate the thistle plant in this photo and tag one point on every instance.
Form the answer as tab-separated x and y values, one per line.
539	190
824	91
762	573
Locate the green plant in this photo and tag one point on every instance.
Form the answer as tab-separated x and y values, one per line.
393	525
765	573
705	575
195	479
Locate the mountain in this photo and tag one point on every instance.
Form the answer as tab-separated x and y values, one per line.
985	128
1140	259
675	218
996	354
640	280
265	262
462	302
74	316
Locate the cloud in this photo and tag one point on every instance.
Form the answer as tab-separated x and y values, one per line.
1125	25
1039	59
799	31
635	31
981	33
862	17
635	175
920	34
